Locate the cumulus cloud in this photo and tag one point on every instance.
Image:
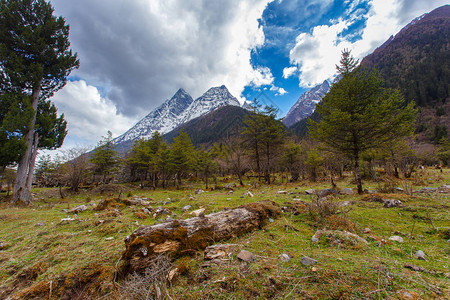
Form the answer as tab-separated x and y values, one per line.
279	91
317	52
288	72
143	51
89	116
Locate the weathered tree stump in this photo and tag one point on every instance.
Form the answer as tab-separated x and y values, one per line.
180	237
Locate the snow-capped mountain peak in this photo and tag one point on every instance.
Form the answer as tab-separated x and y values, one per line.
178	110
306	104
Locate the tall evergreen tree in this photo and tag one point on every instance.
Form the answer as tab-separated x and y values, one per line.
358	114
35	60
105	159
182	155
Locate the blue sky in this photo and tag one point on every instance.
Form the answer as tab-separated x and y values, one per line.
135	54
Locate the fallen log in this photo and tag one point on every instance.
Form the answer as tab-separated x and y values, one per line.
181	237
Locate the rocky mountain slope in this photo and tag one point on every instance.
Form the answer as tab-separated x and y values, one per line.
306	104
176	111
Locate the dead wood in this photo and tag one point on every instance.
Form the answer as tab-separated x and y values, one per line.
180	237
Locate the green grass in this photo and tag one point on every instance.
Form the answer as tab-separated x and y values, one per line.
77	259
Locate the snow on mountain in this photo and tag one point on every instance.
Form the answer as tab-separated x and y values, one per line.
176	111
306	104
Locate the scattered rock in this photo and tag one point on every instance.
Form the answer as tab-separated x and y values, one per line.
219	251
444	189
367	230
271	220
66	221
250	194
245	255
285	257
338	236
199	192
136	201
230	186
282	192
420	255
186	208
314	269
158	211
39	224
388	203
396	238
427	190
109	238
406	295
398	189
310	192
77	209
418	269
346	191
4	245
345	203
198	213
308	261
327	192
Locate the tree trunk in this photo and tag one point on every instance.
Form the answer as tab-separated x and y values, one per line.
33	161
21	193
181	237
357	173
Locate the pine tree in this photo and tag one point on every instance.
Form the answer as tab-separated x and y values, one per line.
264	135
35	61
105	159
358	114
182	155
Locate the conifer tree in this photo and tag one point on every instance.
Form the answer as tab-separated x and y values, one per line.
105	158
182	155
358	114
35	61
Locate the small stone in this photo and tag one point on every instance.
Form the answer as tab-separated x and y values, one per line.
308	261
310	192
282	192
396	238
198	213
388	203
39	224
420	255
285	257
316	237
271	220
186	208
327	192
66	220
314	269
347	191
406	295
398	189
4	245
250	194
199	192
367	230
245	255
109	238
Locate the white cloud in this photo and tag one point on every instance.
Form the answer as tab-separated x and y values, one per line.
88	115
145	50
288	72
279	91
316	53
